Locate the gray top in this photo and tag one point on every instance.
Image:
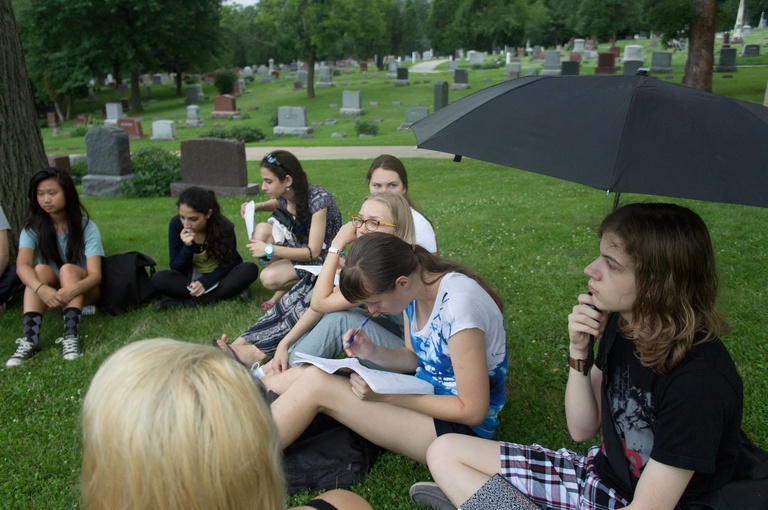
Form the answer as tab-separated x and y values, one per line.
4	225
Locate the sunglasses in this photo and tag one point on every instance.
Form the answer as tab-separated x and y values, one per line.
371	224
272	160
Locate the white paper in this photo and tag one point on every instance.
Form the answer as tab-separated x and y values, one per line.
250	211
315	270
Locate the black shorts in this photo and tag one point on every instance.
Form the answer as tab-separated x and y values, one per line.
449	427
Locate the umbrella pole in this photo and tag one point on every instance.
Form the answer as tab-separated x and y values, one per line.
616	201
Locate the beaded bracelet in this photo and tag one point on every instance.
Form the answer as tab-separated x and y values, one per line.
311	258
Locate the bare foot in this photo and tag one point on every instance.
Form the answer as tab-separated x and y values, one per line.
242	351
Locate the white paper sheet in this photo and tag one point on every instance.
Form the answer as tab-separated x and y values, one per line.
250	210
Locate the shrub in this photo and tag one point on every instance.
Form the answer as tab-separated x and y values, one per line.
78	169
154	169
225	82
243	133
274	120
366	127
78	131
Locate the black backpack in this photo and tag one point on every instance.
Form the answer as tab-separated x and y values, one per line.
328	455
125	283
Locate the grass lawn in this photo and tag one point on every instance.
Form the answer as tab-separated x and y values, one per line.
529	235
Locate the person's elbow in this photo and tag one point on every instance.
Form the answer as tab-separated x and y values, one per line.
582	434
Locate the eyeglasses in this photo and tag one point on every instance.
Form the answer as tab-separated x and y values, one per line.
371	224
272	160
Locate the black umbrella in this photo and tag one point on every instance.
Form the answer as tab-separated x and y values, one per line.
632	134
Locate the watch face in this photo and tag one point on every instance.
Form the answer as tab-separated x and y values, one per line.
269	249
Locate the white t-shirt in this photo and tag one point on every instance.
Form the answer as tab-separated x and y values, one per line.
425	234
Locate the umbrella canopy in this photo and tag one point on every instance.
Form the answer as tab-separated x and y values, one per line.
632	134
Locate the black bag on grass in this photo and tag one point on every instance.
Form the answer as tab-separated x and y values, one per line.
328	455
125	282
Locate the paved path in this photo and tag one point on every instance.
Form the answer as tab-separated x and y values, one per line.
427	66
368	152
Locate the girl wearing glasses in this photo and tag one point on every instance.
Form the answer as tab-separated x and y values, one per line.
316	220
292	319
450	314
387	173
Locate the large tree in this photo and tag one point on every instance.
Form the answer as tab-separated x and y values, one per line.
21	152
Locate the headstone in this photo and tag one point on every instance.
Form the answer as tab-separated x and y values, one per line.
108	153
412	114
60	161
402	77
441	95
762	24
163	130
214	163
615	51
631	67
531	71
194	94
53	119
302	76
569	68
606	63
578	45
551	66
536	52
727	62
575	56
132	126
324	78
157	79
632	53
225	106
126	104
750	50
82	118
193	116
453	64
351	103
476	58
247	72
262	69
513	70
661	62
114	112
291	120
392	69
727	40
460	79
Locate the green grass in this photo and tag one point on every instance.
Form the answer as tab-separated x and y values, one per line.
529	235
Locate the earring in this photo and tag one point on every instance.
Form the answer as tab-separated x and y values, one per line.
287	188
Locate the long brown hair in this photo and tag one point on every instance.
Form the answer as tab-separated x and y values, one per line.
377	259
675	279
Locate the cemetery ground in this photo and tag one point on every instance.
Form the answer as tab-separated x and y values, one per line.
530	236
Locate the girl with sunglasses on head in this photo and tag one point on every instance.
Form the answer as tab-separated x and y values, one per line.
59	261
313	217
383	212
664	394
205	264
455	340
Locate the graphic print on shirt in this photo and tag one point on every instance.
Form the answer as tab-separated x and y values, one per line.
433	346
633	417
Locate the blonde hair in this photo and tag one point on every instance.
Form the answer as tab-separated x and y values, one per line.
401	214
174	425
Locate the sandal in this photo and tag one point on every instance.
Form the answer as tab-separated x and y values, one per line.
229	349
266	305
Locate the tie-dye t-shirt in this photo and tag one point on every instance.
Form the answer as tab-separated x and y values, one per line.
461	304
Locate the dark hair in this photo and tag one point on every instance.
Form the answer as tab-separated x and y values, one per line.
377	259
283	164
219	231
675	279
40	222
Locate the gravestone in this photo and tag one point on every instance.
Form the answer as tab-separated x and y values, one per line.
82	118
194	94
727	62
589	45
53	119
402	77
225	106
291	120
551	66
107	150
163	130
531	71
302	76
214	163
157	79
476	58
633	53
750	50
193	116
536	52
324	78
351	103
247	72
513	70
132	126
578	45
615	51
114	112
392	67
570	68
575	56
631	67
661	62
453	64
441	95
460	79
606	63
412	114
60	161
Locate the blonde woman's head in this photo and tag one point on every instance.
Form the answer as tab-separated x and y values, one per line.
392	208
174	425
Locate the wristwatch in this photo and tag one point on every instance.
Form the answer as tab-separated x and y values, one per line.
268	251
335	250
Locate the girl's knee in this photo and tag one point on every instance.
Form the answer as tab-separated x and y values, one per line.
441	448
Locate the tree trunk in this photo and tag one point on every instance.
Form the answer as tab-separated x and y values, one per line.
22	151
311	75
135	94
179	92
701	46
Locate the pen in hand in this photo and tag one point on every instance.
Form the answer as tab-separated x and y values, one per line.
352	338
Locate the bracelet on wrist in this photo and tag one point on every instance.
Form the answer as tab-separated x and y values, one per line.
335	250
311	258
38	287
580	365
